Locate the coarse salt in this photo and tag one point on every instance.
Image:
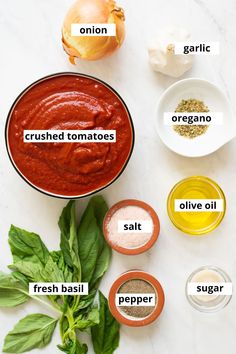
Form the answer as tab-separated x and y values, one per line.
131	239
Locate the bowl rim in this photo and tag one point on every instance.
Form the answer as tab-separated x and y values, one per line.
130	275
155	220
50	76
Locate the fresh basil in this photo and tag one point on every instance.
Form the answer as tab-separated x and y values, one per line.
59	259
21	277
27	246
31	257
86	321
94	252
13	291
51	272
69	243
33	331
83	256
105	335
86	300
73	347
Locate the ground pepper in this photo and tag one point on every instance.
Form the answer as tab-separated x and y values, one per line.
137	286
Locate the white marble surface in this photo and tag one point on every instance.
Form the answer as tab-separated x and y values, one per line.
30	49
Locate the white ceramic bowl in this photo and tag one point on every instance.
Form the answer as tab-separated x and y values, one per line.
216	135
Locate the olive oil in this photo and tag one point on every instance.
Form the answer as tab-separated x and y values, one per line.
192	191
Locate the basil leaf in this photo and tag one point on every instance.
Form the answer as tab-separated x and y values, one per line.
21	277
69	243
86	300
90	320
30	255
102	264
73	347
13	291
51	272
27	246
32	258
58	258
106	334
33	331
94	253
69	247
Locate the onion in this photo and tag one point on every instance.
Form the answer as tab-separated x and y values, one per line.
93	11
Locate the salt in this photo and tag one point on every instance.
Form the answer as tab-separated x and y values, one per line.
131	239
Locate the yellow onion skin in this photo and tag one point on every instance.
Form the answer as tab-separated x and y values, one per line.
93	11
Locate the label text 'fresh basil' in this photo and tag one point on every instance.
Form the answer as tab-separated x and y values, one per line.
58	288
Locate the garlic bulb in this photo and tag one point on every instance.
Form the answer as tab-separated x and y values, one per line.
161	52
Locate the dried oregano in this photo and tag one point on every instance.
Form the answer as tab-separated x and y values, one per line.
191	105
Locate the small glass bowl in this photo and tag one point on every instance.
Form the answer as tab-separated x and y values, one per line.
193	223
218	303
127	320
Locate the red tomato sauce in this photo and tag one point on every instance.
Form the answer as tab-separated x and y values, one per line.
70	102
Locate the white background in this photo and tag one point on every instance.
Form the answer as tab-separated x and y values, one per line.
30	49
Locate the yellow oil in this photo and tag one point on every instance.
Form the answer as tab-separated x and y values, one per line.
195	223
